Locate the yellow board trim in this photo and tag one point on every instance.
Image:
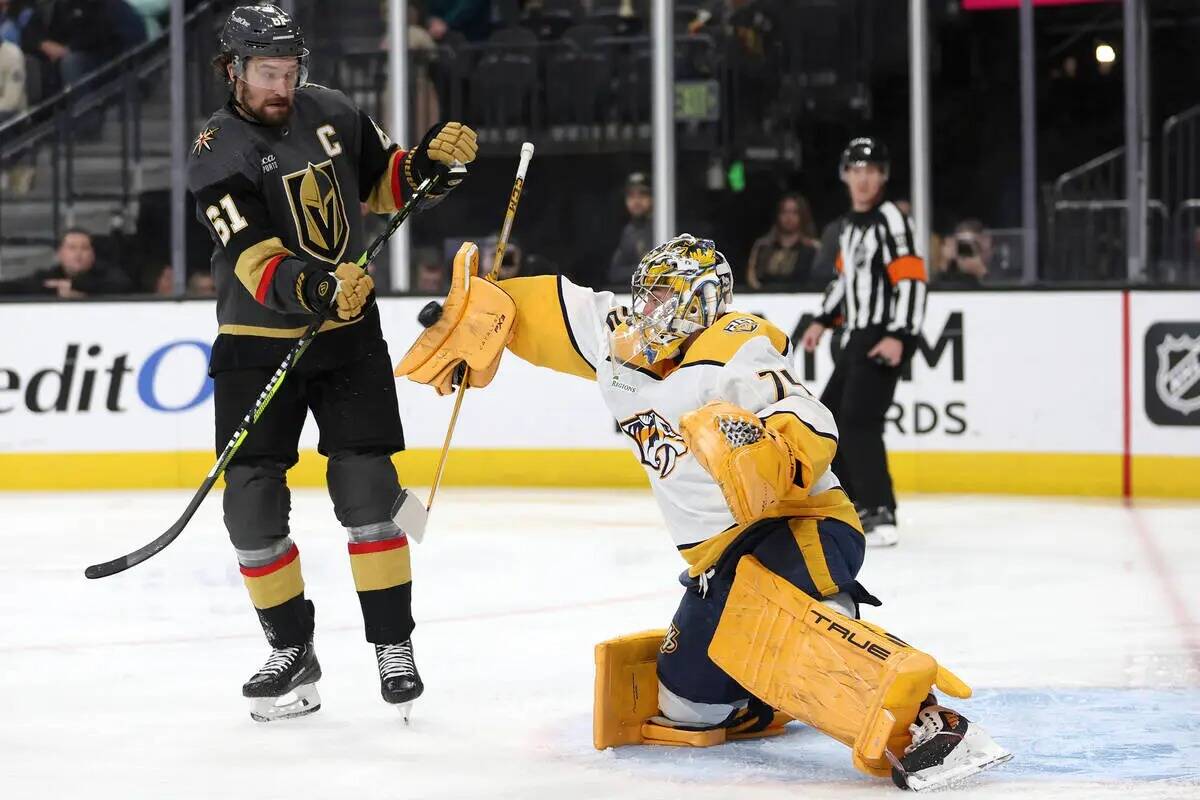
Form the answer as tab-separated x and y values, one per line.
1096	475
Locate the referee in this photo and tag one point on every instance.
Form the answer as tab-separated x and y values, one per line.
879	296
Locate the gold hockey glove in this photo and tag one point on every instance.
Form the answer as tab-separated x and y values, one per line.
476	323
343	292
353	288
443	146
753	465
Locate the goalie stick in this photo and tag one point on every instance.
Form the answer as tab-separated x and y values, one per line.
432	312
122	563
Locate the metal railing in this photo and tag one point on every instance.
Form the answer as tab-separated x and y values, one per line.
122	89
1102	178
572	99
1089	239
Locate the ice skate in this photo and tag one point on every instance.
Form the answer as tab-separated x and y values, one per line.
879	526
286	685
399	682
946	748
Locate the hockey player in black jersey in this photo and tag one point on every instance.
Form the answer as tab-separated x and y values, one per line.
278	174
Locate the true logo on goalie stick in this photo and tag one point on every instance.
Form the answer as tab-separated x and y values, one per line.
315	197
659	446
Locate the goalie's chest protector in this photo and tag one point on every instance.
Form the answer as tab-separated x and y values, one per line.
647	409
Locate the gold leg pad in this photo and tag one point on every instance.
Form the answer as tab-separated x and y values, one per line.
856	682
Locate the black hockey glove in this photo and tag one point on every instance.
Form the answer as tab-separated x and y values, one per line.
443	146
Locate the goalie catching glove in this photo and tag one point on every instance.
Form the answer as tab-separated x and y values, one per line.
753	465
343	292
476	324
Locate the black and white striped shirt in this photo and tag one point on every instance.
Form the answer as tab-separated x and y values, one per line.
881	277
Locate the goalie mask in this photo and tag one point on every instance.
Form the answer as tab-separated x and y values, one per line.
679	288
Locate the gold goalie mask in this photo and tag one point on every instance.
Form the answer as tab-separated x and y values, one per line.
679	288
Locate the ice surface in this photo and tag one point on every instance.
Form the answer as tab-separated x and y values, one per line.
1075	621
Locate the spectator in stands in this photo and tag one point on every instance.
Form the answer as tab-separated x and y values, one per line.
965	255
638	234
152	12
422	51
77	36
783	258
75	275
14	17
431	278
12	81
471	18
510	265
201	284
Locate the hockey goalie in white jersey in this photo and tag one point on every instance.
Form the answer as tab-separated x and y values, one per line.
737	452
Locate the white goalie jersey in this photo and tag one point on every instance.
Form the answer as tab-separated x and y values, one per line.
741	359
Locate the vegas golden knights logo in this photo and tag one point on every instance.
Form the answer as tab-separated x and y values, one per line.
659	446
317	208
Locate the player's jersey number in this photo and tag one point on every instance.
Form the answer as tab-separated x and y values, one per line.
225	229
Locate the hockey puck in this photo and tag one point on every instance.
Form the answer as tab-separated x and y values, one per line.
430	314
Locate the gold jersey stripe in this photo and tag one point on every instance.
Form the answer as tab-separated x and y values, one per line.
808	539
832	504
716	345
281	333
382	199
254	259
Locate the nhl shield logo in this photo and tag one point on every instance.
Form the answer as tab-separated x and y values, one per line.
315	196
1173	373
659	446
1178	376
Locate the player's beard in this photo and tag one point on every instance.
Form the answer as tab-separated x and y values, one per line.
271	110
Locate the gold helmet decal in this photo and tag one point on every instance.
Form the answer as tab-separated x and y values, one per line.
315	196
659	446
679	288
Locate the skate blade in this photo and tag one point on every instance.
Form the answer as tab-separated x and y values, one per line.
883	536
300	702
982	754
405	710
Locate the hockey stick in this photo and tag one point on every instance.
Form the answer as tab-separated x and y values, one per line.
501	244
289	361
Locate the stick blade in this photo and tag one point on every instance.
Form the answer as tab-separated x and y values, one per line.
107	568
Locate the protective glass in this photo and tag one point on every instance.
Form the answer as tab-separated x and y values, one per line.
275	74
649	334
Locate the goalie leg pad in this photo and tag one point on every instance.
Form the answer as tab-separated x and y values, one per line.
628	695
852	680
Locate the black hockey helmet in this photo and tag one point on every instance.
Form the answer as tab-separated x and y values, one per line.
865	150
262	31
